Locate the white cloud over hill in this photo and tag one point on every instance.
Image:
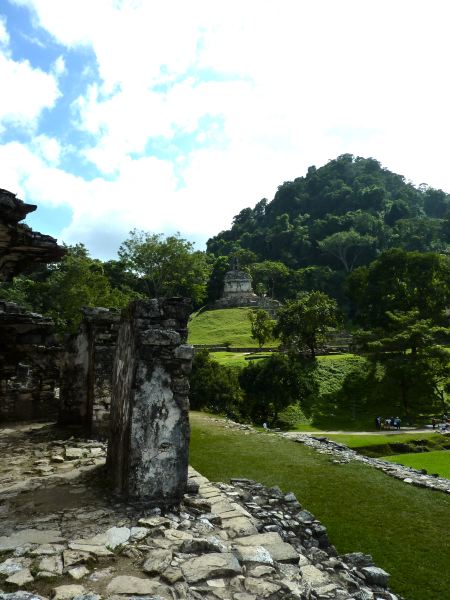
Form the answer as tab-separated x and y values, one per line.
189	111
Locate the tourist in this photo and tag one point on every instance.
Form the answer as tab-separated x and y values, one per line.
433	423
378	423
397	423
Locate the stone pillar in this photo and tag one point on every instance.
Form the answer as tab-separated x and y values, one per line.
149	431
86	376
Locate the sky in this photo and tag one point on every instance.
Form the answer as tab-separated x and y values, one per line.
172	116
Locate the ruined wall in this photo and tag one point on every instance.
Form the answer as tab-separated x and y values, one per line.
149	434
21	247
238	293
29	352
86	375
29	365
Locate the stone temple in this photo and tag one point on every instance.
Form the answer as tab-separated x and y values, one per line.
238	292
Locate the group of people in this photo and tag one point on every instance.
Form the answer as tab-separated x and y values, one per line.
443	426
388	423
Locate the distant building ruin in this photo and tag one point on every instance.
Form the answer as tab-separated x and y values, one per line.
238	292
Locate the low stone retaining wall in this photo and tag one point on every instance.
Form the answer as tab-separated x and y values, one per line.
342	454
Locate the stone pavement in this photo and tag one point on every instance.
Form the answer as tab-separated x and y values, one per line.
62	535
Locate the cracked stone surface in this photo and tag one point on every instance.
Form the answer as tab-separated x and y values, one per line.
66	537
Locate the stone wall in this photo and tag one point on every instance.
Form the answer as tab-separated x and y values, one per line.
86	376
29	365
29	352
21	247
149	435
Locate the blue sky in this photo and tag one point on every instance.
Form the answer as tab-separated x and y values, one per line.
174	116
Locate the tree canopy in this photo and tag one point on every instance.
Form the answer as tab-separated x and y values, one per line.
166	266
334	219
303	323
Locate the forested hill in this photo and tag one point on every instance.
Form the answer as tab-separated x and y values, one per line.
338	217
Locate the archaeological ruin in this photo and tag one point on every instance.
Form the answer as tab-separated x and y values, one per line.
29	350
86	373
149	419
238	292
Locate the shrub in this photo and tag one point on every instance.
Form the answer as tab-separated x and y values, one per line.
214	386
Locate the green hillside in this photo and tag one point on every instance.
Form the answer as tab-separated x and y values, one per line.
223	327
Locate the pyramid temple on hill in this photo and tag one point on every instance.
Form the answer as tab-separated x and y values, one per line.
238	292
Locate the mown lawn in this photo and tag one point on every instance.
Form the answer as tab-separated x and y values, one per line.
238	360
223	327
380	439
364	510
434	462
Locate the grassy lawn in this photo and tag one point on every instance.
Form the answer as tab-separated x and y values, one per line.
363	509
380	439
238	360
433	462
223	327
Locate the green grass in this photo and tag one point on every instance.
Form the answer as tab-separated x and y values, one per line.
238	360
433	462
380	439
223	327
363	509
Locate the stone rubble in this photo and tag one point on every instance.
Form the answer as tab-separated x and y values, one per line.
68	538
342	454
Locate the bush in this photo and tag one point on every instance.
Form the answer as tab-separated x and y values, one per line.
214	386
272	385
291	416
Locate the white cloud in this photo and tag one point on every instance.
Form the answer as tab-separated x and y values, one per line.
26	92
281	85
4	35
59	66
47	148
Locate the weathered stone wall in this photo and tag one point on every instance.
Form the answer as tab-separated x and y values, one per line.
29	365
20	246
149	435
29	352
86	376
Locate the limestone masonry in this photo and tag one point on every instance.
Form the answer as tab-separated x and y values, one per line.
238	292
149	419
29	352
86	376
20	246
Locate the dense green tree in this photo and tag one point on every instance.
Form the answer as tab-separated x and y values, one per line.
304	323
220	266
341	215
346	246
261	326
405	343
167	266
400	281
214	386
274	384
272	274
60	290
